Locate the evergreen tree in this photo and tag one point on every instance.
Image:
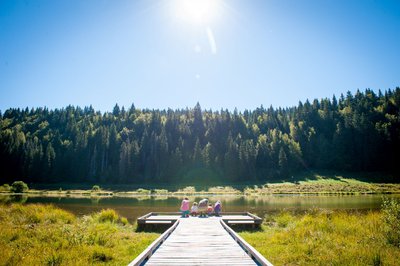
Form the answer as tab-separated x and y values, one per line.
359	132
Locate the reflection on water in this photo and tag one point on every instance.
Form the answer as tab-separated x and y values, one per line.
13	198
134	207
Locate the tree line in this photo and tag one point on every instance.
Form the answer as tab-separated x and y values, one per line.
359	132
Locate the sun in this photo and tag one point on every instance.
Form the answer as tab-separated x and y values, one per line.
196	11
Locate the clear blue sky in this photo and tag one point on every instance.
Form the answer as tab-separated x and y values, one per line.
224	54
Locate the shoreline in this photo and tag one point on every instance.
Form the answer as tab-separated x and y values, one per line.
50	193
310	183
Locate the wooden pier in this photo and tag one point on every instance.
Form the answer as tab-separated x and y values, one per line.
200	241
231	218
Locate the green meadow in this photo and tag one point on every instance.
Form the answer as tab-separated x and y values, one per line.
321	237
44	235
37	234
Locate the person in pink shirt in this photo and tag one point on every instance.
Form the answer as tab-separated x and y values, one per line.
185	207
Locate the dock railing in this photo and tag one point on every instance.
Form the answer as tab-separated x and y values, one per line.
146	254
253	253
158	217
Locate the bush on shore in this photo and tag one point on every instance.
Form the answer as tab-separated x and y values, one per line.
19	187
5	188
96	188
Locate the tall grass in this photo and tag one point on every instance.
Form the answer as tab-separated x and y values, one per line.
45	235
391	217
325	238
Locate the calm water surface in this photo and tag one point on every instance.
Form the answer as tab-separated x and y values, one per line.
138	206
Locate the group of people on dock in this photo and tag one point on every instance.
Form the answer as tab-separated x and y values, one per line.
202	209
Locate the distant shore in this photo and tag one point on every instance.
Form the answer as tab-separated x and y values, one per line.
318	184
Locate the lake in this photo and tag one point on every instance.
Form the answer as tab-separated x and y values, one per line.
134	207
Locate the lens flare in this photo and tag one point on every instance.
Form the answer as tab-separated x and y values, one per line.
196	11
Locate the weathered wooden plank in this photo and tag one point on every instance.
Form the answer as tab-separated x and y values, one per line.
240	222
198	262
158	222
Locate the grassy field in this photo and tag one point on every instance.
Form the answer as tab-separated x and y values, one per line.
325	185
38	234
327	238
45	235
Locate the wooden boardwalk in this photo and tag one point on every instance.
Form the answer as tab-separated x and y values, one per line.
200	241
231	218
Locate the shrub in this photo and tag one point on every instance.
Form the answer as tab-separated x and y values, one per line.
160	191
124	221
284	219
95	188
143	191
5	187
391	218
107	215
189	189
226	190
19	187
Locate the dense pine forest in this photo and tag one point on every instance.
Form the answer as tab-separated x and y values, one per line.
359	133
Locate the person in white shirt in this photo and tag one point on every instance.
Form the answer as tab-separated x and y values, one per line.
194	210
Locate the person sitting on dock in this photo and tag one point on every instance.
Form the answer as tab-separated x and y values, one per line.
185	207
210	209
203	207
194	209
217	208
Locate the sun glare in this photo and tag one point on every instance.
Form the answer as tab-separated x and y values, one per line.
196	11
